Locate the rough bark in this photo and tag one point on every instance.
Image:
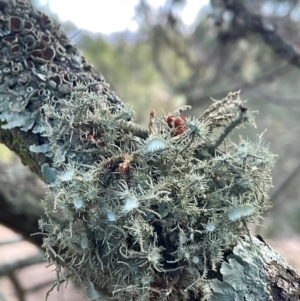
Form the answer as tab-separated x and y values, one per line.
47	121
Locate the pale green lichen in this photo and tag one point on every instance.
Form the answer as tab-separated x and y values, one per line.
244	275
161	212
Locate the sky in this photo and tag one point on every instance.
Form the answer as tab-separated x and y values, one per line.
108	16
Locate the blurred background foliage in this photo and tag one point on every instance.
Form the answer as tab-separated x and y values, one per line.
166	63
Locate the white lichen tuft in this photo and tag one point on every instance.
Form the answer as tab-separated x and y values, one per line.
78	203
111	217
237	213
196	259
154	145
210	226
67	175
130	203
84	242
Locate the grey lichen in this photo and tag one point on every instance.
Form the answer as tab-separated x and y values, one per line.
36	67
146	214
49	173
34	62
245	277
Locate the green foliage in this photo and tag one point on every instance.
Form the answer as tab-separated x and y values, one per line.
149	216
129	67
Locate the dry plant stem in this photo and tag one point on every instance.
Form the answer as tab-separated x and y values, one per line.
55	284
226	132
152	122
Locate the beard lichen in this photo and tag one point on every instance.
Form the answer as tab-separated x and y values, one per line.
155	214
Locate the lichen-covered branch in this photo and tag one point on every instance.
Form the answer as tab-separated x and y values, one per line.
275	280
149	215
38	62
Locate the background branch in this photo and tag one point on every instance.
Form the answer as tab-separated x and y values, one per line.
20	195
255	23
11	241
9	268
20	291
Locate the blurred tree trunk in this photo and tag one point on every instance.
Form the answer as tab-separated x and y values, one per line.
40	65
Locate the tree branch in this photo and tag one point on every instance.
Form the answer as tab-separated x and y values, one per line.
25	223
139	214
20	208
256	24
260	80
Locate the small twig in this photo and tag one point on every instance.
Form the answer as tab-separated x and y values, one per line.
248	232
226	132
178	111
152	122
78	32
56	283
181	151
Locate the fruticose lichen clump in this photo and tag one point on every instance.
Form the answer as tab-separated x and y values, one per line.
148	218
144	214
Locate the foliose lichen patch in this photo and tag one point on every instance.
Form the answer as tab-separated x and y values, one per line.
244	274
